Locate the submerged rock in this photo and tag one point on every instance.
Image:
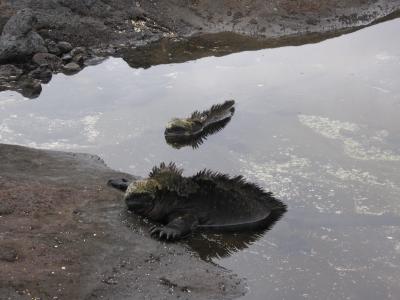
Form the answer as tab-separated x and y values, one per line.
19	41
30	88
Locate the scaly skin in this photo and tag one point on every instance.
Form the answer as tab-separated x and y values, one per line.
205	201
199	121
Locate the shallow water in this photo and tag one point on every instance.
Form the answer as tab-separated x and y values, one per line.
318	125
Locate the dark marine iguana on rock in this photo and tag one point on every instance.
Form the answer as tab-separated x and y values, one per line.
195	129
206	201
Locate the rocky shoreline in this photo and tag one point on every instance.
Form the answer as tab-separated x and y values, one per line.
40	38
66	235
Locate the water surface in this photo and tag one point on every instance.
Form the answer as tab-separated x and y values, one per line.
318	125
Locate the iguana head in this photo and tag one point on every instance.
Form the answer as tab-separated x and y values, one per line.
183	127
140	195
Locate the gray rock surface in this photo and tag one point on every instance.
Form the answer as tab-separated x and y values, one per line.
100	23
51	60
42	73
9	72
64	47
52	47
94	61
18	40
78	50
74	235
29	87
71	68
131	28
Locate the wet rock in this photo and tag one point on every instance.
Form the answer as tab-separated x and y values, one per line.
64	47
53	61
48	187
8	254
30	88
42	73
9	72
94	61
79	58
109	51
53	48
78	50
19	41
21	23
66	58
71	68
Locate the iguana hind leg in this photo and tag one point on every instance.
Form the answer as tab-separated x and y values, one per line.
178	227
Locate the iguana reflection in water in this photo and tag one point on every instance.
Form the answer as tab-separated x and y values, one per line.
194	130
211	245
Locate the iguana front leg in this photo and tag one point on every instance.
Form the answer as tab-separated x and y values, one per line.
179	226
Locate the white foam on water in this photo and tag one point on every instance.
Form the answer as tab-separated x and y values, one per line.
359	146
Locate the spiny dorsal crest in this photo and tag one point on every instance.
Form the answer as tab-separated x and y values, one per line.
238	182
218	108
169	177
215	109
170	169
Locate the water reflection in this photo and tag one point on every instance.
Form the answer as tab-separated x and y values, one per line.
27	87
196	140
318	125
195	129
168	51
215	246
208	245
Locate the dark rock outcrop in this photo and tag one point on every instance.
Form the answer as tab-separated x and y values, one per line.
71	68
29	87
47	59
9	72
42	73
19	41
64	47
113	28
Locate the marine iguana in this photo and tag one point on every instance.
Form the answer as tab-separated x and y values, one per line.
196	140
206	201
194	130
